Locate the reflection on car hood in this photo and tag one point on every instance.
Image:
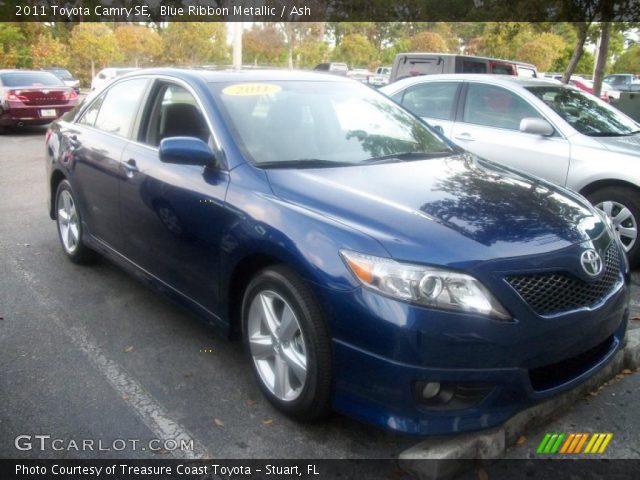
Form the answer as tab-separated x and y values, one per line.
448	211
628	144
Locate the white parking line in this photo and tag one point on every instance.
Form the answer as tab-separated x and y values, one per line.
154	415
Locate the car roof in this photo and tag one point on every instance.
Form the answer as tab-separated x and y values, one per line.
471	57
504	80
18	70
215	76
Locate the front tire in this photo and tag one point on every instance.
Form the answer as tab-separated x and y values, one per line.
69	223
288	343
622	204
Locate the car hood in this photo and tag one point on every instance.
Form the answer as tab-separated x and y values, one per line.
628	144
449	211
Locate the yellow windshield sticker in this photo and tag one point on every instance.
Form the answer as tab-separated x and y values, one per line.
251	89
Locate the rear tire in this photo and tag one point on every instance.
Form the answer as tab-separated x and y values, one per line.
622	204
288	343
69	223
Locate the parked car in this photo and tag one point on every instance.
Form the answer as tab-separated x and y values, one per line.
381	77
415	64
606	92
360	74
32	98
553	131
625	82
106	75
66	76
369	264
334	68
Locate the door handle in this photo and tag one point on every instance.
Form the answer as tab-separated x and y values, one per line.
467	137
131	167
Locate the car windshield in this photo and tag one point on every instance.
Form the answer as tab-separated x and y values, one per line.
63	74
316	123
585	113
30	79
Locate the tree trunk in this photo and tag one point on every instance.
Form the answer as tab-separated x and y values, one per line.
601	59
577	52
93	69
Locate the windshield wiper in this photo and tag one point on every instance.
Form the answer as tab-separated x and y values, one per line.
407	156
304	163
612	134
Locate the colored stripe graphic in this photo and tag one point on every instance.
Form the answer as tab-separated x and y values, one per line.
572	443
543	443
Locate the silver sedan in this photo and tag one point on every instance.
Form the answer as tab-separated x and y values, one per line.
550	130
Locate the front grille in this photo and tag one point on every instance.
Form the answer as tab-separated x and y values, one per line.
556	292
549	376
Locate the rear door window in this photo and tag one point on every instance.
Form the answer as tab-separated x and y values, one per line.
120	106
472	66
431	99
502	68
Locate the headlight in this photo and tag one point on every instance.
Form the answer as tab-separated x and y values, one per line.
434	287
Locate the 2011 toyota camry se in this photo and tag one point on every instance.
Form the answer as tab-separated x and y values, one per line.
370	266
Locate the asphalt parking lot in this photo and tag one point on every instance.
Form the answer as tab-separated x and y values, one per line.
91	353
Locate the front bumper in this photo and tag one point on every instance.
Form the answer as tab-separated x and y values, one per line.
383	348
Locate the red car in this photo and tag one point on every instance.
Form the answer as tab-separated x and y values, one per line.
33	98
587	86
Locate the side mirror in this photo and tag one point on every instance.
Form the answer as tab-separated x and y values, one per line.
186	151
536	126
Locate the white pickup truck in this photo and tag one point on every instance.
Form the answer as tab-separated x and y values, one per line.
381	77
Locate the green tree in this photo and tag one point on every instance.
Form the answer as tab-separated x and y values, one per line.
388	54
355	50
139	45
542	51
47	51
583	67
629	61
92	46
263	44
13	47
194	43
428	42
310	53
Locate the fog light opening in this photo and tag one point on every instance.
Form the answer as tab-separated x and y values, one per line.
430	390
450	396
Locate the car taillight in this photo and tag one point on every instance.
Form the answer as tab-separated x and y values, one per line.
14	96
70	95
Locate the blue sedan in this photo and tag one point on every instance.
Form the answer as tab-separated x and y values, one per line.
369	265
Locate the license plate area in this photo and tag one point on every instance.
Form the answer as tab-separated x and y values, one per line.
48	112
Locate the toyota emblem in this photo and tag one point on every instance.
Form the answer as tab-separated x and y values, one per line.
591	262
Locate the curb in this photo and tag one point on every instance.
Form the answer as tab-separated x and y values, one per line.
491	444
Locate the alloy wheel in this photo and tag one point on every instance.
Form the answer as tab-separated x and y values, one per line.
68	223
277	345
625	224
